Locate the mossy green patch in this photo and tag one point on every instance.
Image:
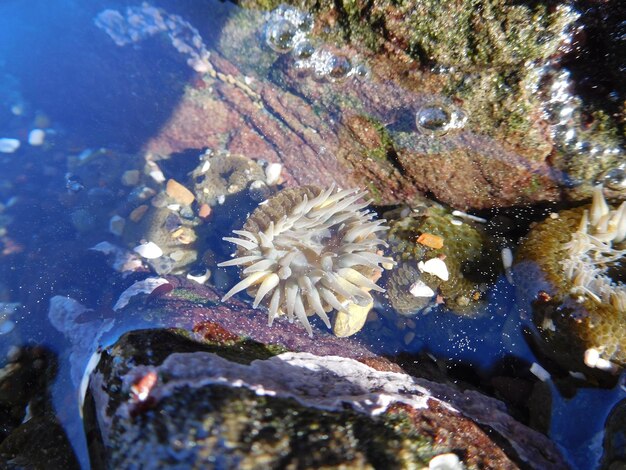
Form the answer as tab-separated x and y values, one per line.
192	296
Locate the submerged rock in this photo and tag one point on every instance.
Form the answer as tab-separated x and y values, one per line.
159	398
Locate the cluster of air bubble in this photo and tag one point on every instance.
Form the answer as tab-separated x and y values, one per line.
562	109
437	118
287	30
138	23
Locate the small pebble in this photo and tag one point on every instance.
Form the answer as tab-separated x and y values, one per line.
155	172
540	372
116	225
410	336
36	137
205	211
272	173
137	214
8	145
130	178
179	193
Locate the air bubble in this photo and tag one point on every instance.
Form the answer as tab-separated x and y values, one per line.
433	118
338	67
437	118
280	35
303	50
305	22
615	179
301	20
361	71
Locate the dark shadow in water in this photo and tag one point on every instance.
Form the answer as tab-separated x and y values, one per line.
30	435
104	93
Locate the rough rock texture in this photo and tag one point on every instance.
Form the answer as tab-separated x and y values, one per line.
158	398
362	131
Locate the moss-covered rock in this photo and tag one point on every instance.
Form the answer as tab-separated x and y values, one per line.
159	399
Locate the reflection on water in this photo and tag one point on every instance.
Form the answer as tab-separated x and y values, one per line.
133	138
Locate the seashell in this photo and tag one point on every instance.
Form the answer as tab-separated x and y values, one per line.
149	250
436	267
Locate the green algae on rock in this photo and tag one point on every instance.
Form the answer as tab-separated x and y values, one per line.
569	269
157	397
468	252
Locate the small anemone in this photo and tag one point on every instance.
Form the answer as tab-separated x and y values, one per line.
592	250
308	251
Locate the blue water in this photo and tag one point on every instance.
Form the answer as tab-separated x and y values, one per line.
58	71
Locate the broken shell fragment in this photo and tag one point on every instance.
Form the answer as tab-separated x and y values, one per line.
272	173
436	267
420	289
430	240
149	250
146	286
352	320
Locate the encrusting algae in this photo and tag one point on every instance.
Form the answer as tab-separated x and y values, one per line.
576	259
422	242
308	251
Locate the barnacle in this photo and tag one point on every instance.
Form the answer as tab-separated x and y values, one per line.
308	251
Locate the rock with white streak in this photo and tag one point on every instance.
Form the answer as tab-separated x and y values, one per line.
168	406
146	286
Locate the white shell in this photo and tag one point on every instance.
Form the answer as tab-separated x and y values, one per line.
445	462
539	372
436	267
149	250
419	289
272	173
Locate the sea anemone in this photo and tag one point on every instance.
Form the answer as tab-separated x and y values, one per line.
570	268
592	251
308	251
